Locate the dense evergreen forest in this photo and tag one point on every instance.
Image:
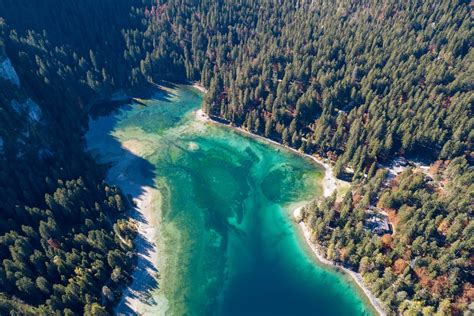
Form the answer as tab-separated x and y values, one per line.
362	79
359	82
425	265
65	241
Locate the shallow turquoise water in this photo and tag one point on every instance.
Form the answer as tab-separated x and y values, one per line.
231	247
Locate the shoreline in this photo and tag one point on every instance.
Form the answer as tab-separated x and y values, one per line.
148	254
149	245
355	276
145	212
196	85
330	185
329	182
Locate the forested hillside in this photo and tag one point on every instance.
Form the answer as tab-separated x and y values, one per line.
357	81
424	265
362	79
64	239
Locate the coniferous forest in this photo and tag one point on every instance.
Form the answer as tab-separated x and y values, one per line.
357	82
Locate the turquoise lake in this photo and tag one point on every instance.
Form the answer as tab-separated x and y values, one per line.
231	247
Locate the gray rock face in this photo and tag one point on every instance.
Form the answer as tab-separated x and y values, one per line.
31	108
8	73
34	111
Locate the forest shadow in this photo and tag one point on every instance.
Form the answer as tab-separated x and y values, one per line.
103	107
133	175
161	91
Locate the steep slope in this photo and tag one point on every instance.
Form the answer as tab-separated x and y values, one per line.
64	240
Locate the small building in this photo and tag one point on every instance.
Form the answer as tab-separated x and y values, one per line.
332	156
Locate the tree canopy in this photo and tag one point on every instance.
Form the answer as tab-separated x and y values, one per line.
356	81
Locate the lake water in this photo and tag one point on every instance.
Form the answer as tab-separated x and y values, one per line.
231	247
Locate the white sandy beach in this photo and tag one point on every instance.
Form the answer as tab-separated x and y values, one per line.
354	275
149	245
199	87
149	255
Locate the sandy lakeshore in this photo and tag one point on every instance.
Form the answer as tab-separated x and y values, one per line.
199	87
356	277
149	255
330	185
149	245
126	172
